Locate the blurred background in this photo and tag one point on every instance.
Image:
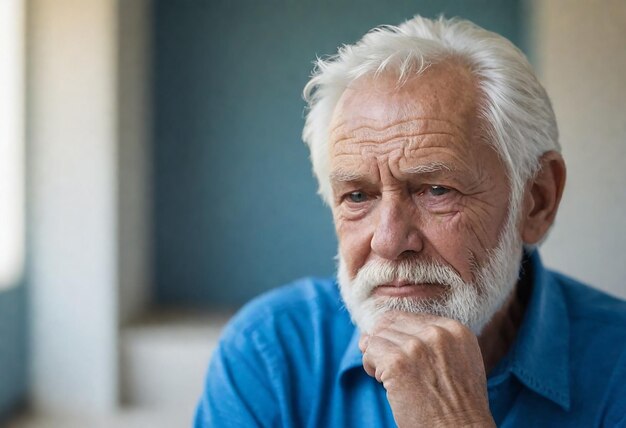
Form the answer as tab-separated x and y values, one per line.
153	179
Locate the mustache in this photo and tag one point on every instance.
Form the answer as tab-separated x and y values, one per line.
379	272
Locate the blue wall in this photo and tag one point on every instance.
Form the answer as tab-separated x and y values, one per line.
235	205
13	342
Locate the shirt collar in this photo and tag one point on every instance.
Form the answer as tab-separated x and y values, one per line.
539	358
352	356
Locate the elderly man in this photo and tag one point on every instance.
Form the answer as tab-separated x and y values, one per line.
437	150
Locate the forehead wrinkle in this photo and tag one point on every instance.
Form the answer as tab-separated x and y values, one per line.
410	145
366	149
412	137
368	131
427	168
413	161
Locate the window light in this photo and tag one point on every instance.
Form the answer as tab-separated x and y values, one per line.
11	142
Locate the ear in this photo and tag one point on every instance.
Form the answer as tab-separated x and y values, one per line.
542	197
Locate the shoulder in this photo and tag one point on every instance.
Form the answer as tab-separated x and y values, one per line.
290	340
597	324
302	299
596	319
588	304
303	312
266	352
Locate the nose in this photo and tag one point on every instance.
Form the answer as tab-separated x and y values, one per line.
396	233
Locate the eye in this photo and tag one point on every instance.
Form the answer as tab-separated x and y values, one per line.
357	197
438	190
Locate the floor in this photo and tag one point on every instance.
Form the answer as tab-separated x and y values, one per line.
123	419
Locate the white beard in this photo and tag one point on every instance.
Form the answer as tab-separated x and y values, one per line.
472	304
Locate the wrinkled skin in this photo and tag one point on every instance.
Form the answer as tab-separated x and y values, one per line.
431	368
412	176
380	132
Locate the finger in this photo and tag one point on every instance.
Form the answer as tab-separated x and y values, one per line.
398	338
402	318
421	349
411	324
414	324
435	341
378	349
368	366
363	341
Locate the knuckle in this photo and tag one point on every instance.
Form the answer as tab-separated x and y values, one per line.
440	339
396	363
413	347
458	330
435	333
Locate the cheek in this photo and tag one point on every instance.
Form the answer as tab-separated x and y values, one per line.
453	239
446	233
354	244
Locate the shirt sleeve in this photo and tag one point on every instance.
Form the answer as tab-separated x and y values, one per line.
237	392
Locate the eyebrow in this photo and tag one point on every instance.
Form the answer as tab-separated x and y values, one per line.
342	175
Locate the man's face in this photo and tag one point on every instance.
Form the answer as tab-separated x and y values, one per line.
416	187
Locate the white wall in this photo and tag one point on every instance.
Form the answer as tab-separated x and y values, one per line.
87	122
73	180
580	49
11	142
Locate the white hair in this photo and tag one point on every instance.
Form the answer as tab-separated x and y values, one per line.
516	113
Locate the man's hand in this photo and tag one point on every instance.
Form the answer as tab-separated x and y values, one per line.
432	369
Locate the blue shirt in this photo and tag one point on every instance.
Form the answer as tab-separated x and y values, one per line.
290	358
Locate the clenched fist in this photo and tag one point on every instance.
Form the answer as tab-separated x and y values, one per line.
431	368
